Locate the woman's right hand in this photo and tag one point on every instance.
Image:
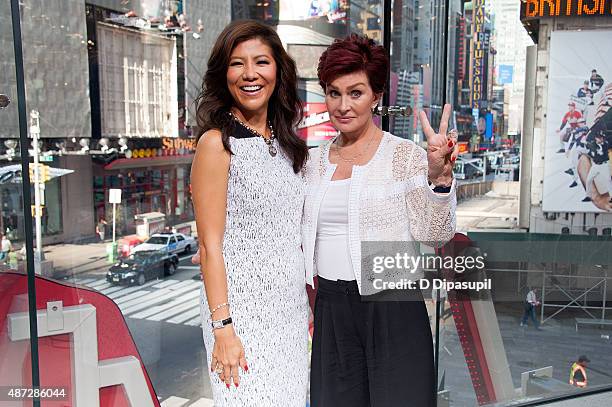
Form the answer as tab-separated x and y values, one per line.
228	352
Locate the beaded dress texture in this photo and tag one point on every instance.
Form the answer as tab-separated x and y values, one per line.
265	275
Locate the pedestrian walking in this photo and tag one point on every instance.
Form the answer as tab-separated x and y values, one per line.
531	302
101	228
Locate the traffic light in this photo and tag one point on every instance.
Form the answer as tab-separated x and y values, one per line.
43	173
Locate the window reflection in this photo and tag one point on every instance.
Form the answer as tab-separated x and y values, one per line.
114	82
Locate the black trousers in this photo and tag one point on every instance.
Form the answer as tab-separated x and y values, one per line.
370	353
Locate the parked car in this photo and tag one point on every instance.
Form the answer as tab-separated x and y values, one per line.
142	266
172	242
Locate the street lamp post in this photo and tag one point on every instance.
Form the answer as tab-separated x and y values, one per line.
35	132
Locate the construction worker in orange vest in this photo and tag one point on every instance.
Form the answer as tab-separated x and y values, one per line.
578	376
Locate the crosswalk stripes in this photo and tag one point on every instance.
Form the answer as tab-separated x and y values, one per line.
137	297
185	316
85	281
122	293
203	403
169	300
100	285
165	283
174	401
160	312
155	297
197	321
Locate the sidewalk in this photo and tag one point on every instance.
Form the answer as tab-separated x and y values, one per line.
493	211
69	259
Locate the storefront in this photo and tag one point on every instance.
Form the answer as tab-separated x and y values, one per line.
156	178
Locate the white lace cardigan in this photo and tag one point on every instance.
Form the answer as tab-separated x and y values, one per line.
389	200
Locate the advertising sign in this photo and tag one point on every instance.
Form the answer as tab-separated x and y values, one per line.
334	10
565	8
504	74
480	49
578	123
316	128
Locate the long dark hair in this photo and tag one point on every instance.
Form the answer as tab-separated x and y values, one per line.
284	108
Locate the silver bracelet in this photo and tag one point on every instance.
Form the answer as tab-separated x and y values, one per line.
225	304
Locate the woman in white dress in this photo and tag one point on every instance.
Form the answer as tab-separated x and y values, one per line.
248	196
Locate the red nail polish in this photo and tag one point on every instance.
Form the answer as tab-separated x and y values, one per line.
227	385
246	368
450	143
236	384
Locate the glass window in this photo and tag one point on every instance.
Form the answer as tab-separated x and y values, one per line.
110	89
158	240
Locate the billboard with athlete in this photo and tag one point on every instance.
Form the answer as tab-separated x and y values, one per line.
577	167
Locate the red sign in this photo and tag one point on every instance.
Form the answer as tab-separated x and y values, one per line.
316	127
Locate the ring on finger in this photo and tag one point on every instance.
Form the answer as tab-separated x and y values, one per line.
452	133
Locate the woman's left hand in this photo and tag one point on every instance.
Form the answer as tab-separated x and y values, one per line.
442	149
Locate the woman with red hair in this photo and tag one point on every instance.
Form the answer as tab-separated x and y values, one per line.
368	185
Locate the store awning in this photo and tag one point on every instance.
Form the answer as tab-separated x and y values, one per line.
12	173
126	163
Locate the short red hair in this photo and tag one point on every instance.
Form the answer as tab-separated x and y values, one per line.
354	54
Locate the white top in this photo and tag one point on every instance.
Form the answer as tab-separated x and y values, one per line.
6	245
332	245
389	200
531	298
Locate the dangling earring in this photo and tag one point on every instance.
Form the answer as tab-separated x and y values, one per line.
374	108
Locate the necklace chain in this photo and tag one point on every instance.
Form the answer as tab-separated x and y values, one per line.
269	141
354	158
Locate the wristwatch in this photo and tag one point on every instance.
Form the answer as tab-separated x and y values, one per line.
221	323
440	188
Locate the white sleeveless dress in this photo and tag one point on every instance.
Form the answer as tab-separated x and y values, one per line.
265	276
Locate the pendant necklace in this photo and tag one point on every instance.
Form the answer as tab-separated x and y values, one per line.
269	141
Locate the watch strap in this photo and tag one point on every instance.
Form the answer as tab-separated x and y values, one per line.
218	324
442	190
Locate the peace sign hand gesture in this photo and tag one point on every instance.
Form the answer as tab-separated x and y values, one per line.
442	149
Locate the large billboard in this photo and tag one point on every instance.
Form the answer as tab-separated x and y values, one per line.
579	123
138	86
296	10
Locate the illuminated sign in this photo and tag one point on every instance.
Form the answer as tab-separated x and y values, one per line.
178	143
461	49
480	48
565	8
